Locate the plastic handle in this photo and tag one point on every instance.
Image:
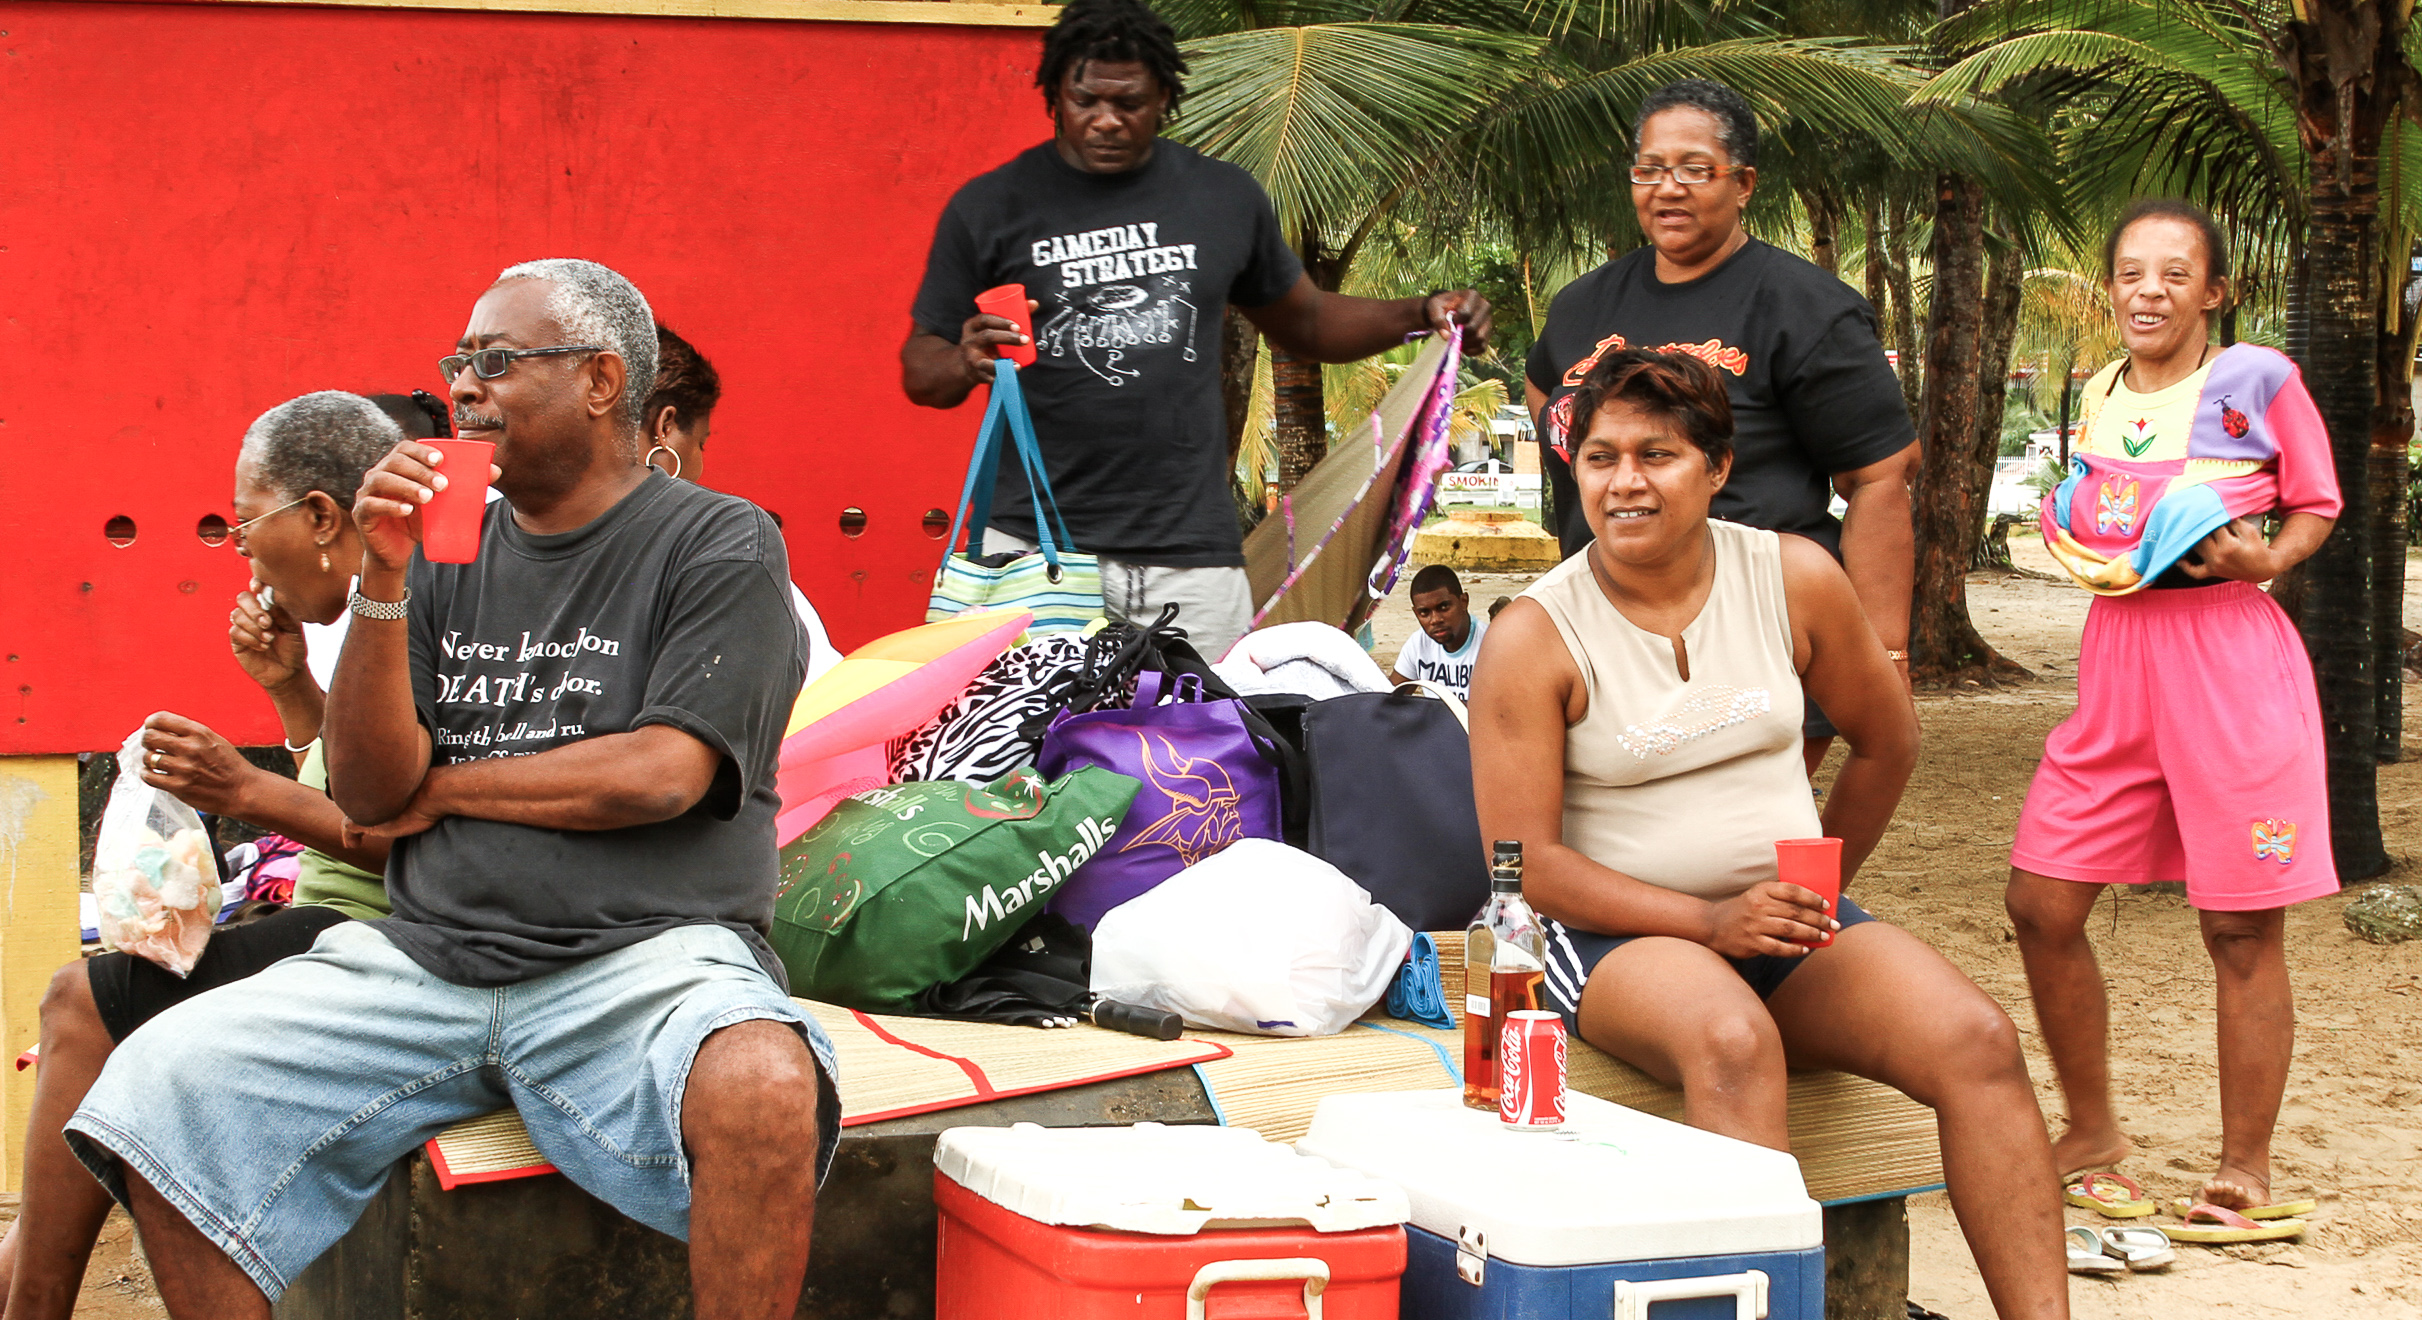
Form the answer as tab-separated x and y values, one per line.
1314	1273
1136	1020
1746	1289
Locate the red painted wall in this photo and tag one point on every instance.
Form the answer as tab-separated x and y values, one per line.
207	210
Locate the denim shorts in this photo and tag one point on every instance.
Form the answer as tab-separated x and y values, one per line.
270	1111
1573	954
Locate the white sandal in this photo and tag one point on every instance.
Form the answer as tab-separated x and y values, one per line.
2140	1246
2086	1254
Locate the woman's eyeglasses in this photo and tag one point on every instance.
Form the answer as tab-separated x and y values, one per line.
489	363
249	523
1689	175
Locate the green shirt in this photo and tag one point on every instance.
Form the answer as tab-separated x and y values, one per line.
326	882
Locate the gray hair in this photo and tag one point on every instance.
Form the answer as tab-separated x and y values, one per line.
325	442
595	305
1736	123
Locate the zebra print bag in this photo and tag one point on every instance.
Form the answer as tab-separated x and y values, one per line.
982	734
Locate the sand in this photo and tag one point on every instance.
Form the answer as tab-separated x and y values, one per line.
2351	1132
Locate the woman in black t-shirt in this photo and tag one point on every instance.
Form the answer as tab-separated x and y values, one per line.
1815	402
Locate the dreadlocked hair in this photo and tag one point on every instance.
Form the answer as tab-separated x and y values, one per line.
1114	32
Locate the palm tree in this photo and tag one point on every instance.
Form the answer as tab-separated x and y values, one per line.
2282	115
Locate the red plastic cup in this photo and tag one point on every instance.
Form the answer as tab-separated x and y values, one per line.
1812	864
1009	303
450	521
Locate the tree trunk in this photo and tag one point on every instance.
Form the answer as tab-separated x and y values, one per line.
1871	235
1824	207
2392	428
2347	64
1299	406
1968	333
1299	415
1239	349
1904	312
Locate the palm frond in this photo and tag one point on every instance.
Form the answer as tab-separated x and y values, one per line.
1331	117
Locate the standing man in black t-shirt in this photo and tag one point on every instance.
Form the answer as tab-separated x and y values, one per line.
1131	248
1814	401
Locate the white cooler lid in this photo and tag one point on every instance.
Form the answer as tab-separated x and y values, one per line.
1614	1185
1153	1178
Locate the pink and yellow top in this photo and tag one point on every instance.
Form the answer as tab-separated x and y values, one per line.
2152	474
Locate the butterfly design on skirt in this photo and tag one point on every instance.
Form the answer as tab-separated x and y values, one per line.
2275	839
2115	507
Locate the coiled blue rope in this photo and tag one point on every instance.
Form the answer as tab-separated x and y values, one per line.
1417	995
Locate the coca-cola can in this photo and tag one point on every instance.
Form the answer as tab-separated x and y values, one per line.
1530	1071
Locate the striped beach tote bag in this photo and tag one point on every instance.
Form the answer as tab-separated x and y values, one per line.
1060	585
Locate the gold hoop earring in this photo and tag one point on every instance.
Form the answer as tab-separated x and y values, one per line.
650	460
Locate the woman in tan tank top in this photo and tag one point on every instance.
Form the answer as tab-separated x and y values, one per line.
1635	722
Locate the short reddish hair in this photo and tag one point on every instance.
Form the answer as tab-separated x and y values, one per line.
1677	386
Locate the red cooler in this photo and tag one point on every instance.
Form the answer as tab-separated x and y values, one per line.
1158	1223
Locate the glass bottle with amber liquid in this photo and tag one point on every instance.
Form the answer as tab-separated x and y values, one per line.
1504	962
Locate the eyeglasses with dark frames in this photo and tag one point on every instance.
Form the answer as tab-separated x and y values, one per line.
489	363
1689	175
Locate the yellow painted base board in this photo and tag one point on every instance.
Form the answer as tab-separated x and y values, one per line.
38	885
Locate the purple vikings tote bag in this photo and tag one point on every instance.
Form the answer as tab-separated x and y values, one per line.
1206	782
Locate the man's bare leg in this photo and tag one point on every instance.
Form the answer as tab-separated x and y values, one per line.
64	1205
197	1281
1881	1004
2073	1008
748	1119
1678	1012
2257	1040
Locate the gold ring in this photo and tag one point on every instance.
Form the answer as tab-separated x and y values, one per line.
155	760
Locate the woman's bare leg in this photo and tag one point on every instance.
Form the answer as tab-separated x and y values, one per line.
1879	1003
2257	1038
64	1205
1676	1011
2073	1009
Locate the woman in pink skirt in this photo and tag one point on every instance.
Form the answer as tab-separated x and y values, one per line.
2195	752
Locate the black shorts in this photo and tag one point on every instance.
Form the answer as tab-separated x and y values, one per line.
130	991
1573	954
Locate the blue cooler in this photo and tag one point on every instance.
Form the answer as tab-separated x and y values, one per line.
1618	1214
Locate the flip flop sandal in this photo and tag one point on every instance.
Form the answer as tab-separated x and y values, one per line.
2179	1206
2086	1255
2140	1246
2111	1195
2212	1224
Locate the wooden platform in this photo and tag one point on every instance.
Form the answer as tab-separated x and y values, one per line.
521	1248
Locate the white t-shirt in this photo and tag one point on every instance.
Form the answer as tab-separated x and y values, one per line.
1426	661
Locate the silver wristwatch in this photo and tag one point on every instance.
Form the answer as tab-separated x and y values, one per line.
380	609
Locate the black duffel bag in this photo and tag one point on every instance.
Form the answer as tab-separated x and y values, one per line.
1390	778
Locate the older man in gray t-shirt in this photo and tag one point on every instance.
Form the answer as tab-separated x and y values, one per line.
571	742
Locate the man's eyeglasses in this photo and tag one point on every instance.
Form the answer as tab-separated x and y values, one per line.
1689	175
489	363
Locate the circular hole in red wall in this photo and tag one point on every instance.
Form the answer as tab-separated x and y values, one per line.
120	531
853	521
212	529
937	524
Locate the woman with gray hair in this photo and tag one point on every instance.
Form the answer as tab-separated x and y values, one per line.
295	478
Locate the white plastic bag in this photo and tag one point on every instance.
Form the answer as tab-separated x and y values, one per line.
1260	937
154	880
